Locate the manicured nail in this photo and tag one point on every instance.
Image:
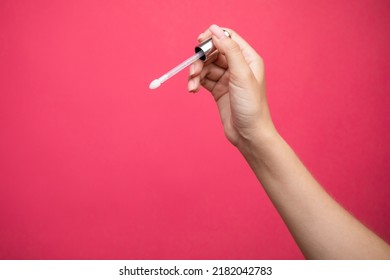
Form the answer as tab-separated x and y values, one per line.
217	31
191	86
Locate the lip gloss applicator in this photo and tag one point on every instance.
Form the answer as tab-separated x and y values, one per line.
202	52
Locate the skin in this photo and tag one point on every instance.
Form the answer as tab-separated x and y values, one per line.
319	225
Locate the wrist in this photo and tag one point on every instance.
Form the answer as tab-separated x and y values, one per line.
256	145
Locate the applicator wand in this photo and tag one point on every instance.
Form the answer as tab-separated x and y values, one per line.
202	52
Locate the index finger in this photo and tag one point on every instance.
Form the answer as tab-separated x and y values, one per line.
251	56
234	35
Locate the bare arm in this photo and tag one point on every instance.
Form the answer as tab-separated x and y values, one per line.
319	225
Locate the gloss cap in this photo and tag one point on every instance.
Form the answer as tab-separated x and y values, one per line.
207	47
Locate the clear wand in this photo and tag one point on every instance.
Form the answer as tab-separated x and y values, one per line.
157	82
202	52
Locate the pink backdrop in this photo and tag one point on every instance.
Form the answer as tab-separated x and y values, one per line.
95	165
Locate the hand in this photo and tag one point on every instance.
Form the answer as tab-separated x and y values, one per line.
236	80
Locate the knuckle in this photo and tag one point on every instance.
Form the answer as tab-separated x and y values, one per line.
233	47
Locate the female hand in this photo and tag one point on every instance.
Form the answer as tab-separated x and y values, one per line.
235	77
236	80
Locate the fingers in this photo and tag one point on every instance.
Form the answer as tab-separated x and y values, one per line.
248	51
201	73
208	84
204	35
238	66
212	72
196	68
194	84
234	53
194	76
252	58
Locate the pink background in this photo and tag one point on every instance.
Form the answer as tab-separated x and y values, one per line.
95	165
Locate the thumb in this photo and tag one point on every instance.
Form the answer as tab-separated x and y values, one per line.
232	51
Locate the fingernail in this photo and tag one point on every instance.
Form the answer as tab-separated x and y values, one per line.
217	31
200	36
191	86
192	70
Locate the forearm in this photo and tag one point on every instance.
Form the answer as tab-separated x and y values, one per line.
321	227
